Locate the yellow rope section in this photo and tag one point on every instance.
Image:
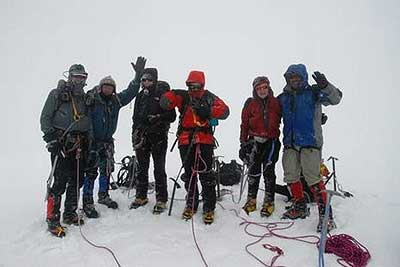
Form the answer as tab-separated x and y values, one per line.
77	116
198	123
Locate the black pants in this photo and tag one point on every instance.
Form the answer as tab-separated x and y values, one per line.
206	176
66	179
267	155
156	146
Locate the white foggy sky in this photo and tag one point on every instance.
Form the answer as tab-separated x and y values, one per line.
355	43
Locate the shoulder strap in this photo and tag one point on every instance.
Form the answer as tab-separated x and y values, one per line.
186	102
247	102
60	89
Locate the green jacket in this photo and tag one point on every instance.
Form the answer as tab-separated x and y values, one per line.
58	113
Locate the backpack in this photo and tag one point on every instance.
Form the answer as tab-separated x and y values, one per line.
230	173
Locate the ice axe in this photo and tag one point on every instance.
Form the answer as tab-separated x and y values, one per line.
324	229
176	185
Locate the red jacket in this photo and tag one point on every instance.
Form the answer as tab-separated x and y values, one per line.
189	122
260	117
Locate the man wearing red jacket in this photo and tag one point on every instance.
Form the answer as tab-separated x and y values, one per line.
259	143
197	107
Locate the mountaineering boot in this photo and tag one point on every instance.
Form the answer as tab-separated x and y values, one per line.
55	228
250	206
138	202
88	207
71	217
105	199
298	210
208	217
188	213
159	207
299	207
53	216
267	209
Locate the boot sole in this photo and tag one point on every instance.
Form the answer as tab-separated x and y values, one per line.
265	214
135	206
110	206
300	217
74	223
92	216
158	212
57	232
186	218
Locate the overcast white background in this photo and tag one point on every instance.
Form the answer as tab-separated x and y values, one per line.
354	43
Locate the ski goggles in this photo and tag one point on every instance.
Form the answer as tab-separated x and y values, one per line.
194	86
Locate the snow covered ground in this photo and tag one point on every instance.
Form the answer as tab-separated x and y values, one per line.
354	43
139	238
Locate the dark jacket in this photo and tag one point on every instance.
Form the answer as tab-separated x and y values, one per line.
105	112
147	103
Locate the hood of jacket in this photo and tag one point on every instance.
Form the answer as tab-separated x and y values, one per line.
196	76
299	69
259	80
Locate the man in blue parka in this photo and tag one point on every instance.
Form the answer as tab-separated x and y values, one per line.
302	137
105	106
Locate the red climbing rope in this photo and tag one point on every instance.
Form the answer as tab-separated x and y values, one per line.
348	249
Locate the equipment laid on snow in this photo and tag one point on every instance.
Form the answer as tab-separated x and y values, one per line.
127	175
230	173
336	186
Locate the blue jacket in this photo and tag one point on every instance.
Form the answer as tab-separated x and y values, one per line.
302	110
104	113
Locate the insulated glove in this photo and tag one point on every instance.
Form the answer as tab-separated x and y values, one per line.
246	150
324	118
153	118
242	153
201	108
139	68
54	147
320	79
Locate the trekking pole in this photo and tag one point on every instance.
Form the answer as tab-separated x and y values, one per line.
51	176
173	145
216	169
109	168
53	168
334	171
324	229
132	166
244	173
248	165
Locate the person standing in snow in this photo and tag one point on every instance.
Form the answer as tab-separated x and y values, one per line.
150	137
105	104
196	140
302	137
259	134
67	130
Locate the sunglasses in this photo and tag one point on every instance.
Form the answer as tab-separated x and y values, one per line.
194	86
146	79
79	76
